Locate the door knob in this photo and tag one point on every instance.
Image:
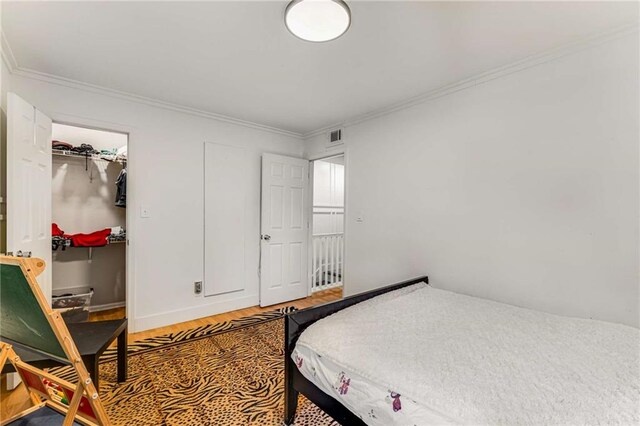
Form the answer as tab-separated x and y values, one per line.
266	237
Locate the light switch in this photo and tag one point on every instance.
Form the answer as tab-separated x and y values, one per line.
145	212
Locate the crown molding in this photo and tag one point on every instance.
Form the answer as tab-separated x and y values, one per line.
88	87
514	67
15	69
7	53
521	65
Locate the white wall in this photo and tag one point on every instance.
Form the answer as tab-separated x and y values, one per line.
165	177
328	196
328	183
523	189
4	84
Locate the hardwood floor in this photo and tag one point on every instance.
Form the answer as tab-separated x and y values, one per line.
315	299
109	314
12	402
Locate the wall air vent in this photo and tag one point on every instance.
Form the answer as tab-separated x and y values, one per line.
335	136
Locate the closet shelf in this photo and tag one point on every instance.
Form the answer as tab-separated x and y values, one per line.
86	157
59	153
64	243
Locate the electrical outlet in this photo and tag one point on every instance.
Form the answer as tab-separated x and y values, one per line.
197	287
145	212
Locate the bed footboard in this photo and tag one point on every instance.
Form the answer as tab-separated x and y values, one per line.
295	382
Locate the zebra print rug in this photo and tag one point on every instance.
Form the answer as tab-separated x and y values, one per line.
231	373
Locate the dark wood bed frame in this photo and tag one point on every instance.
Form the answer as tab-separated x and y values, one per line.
295	382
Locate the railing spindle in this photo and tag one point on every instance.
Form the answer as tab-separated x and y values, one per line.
321	260
328	261
313	263
339	269
337	258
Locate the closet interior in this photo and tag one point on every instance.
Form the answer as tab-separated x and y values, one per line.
88	206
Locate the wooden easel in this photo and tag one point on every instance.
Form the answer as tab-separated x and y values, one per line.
77	402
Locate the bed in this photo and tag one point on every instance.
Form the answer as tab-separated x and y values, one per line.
410	354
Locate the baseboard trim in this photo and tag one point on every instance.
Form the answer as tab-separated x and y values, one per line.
106	306
182	315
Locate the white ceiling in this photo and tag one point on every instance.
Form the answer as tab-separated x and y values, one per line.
237	58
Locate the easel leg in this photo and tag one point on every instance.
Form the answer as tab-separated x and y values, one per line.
4	355
13	379
8	354
73	406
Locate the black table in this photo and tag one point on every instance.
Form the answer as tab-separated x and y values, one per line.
91	339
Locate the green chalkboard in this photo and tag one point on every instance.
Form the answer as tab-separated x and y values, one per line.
21	318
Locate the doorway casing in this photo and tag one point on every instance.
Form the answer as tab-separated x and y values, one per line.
324	156
88	123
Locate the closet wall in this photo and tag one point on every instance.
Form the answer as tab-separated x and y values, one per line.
83	202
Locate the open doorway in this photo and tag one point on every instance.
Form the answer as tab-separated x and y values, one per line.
327	239
89	222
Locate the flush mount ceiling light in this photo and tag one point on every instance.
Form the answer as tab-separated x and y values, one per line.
317	20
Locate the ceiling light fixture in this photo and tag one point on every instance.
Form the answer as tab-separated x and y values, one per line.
317	20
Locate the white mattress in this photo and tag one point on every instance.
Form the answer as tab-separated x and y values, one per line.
422	356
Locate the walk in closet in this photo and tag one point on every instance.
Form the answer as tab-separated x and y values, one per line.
89	218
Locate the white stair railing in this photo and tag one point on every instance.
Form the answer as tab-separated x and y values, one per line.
327	261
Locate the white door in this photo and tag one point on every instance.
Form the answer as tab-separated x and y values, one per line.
285	221
29	183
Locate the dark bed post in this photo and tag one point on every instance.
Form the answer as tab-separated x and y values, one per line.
290	394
